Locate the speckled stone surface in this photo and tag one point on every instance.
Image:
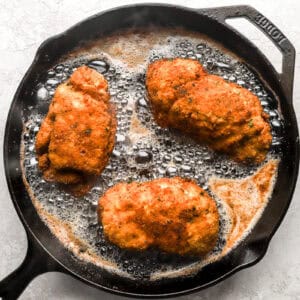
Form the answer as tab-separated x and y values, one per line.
23	26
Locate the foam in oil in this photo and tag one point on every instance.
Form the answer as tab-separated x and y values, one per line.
143	150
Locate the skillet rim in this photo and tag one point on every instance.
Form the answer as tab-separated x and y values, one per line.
28	229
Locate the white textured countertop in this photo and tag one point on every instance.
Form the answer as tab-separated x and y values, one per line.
23	27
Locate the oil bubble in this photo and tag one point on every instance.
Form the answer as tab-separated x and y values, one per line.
143	151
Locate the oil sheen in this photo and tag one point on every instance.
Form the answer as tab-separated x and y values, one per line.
143	150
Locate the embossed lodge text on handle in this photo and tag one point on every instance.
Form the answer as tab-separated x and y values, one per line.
286	77
269	28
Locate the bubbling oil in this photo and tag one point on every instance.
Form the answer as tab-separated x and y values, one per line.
143	151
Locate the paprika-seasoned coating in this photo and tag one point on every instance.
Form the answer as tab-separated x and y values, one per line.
77	136
223	115
172	214
164	79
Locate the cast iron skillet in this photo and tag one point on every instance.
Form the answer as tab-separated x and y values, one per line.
45	253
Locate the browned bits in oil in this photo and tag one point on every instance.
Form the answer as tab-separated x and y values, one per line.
143	150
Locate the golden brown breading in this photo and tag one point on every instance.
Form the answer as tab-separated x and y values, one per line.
173	214
164	78
77	136
223	115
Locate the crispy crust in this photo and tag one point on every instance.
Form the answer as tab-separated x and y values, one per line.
173	214
223	115
77	136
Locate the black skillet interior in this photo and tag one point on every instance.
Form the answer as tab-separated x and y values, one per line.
45	253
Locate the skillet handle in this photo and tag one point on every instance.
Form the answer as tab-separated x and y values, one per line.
271	31
35	263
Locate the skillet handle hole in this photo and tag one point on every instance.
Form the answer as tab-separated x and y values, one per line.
259	39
